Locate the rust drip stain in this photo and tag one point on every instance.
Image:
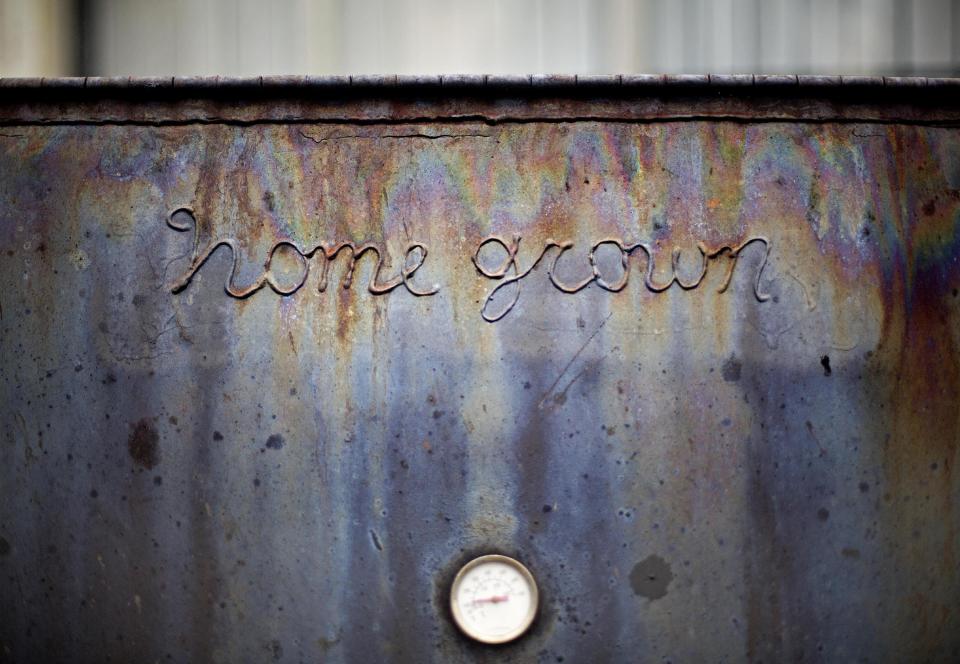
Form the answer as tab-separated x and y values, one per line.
143	444
915	369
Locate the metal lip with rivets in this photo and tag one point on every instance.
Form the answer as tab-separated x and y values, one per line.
492	99
458	618
476	82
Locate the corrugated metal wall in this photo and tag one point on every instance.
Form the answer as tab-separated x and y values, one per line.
246	37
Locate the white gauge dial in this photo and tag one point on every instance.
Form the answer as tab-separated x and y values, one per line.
494	599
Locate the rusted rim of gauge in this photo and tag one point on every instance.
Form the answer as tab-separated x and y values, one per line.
458	617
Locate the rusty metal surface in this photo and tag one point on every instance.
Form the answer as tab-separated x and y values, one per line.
265	385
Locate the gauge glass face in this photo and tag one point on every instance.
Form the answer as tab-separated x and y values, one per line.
494	599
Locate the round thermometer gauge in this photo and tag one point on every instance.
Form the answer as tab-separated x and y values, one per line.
494	599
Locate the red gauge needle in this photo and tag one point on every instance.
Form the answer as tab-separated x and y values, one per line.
495	599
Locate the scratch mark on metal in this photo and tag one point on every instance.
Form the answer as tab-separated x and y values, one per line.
572	360
816	440
811	303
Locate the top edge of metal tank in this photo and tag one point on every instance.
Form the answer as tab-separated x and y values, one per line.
493	84
478	97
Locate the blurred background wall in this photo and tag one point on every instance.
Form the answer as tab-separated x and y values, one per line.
250	37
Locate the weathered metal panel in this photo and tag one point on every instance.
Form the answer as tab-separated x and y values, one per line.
742	449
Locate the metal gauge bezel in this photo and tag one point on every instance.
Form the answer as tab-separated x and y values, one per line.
534	592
